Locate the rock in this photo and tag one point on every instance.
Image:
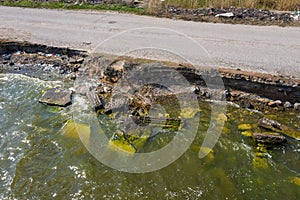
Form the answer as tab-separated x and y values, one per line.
259	162
57	97
247	104
246	133
244	127
118	66
274	138
115	71
278	102
76	61
295	15
95	101
86	43
105	89
121	145
82	90
221	118
72	60
188	113
137	138
297	106
295	180
225	95
226	15
75	67
242	14
7	57
272	104
164	123
261	147
129	142
114	79
278	127
287	104
117	103
197	90
208	153
269	124
74	130
53	109
80	60
49	55
226	130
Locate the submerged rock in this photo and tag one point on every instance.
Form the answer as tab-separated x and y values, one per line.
278	127
53	109
120	144
274	138
244	127
260	162
129	142
208	152
295	180
246	133
74	130
261	155
188	113
137	138
57	97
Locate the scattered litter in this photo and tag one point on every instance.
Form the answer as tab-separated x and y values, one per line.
229	14
86	43
295	15
48	55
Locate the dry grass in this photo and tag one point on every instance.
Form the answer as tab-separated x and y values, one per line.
262	4
288	4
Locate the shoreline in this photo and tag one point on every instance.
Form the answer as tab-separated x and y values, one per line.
250	90
268	49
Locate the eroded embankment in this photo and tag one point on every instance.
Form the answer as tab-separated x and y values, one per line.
247	89
59	139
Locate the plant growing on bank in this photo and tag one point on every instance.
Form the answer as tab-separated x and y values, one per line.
160	8
154	5
260	4
64	5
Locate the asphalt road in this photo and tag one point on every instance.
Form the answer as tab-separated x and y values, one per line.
267	49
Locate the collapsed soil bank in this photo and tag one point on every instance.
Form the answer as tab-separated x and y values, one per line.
247	89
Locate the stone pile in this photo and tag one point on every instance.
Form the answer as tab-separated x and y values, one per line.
233	13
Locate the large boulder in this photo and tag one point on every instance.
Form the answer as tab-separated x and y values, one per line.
95	101
278	127
273	138
57	97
